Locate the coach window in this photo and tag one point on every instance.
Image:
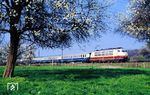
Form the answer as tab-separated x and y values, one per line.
118	50
102	54
98	54
107	53
110	52
95	54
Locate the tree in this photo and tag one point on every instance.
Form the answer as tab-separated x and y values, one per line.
144	52
48	23
2	56
3	53
137	22
25	53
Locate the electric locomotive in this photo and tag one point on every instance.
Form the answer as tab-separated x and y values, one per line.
109	55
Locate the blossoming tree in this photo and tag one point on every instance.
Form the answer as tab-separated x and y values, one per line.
48	23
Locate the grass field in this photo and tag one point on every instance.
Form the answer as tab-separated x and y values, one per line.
78	80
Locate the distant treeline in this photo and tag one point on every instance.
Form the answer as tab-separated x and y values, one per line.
139	55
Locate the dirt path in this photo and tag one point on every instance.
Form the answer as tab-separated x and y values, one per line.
111	67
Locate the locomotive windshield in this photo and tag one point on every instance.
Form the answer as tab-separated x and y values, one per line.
124	50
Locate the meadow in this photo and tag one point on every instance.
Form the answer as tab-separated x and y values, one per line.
80	79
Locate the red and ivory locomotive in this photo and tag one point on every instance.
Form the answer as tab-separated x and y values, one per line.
110	54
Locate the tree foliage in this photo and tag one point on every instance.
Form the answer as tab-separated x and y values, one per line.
49	23
137	22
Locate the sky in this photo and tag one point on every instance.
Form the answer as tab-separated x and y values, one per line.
110	39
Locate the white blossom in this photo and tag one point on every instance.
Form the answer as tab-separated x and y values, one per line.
37	32
16	2
88	20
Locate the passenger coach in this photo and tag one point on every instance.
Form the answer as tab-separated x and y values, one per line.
75	58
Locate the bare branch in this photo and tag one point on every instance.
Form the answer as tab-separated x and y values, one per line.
4	31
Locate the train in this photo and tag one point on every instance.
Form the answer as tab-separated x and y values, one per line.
103	55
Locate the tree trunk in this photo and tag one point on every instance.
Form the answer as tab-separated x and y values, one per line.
12	56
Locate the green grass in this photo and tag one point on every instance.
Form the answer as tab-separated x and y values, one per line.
77	80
